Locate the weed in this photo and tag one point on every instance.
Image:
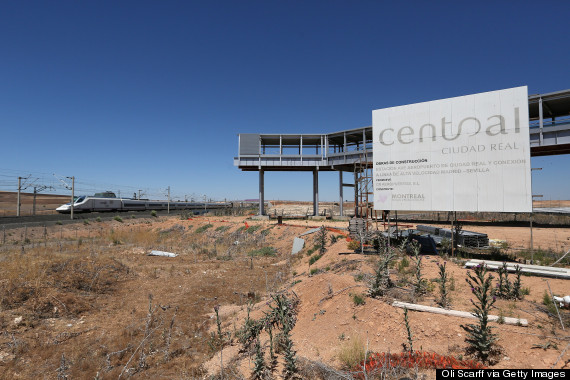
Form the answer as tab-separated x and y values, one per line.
359	277
314	271
358	299
153	213
222	228
86	222
118	219
334	239
479	336
525	291
59	222
98	219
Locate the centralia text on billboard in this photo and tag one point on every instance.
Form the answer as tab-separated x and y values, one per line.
470	153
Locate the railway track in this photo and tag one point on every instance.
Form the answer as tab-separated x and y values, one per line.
9	222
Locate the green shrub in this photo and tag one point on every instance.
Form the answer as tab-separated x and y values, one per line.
153	213
98	220
353	245
222	228
252	229
118	219
358	299
314	258
265	251
59	222
313	271
86	222
203	228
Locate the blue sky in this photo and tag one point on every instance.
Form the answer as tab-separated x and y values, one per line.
145	94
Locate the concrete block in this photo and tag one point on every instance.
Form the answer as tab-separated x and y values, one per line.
298	245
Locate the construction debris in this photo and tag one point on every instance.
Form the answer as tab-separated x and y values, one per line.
465	238
298	245
536	270
462	314
311	231
162	253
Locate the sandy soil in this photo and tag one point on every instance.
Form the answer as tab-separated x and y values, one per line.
194	282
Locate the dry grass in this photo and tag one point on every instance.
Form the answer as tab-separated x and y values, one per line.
352	352
76	302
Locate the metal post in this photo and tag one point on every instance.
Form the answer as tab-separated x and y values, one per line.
356	213
531	242
72	194
540	120
341	194
19	189
34	204
168	206
315	192
261	192
452	235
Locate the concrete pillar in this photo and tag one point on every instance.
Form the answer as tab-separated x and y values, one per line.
261	192
315	192
341	194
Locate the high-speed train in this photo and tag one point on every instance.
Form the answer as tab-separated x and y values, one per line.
96	203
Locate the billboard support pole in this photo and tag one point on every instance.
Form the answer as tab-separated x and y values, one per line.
452	235
531	242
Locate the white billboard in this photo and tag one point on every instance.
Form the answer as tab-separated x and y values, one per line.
469	153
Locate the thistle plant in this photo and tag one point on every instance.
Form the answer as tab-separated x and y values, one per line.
443	291
410	346
218	322
249	332
420	283
322	239
272	356
290	368
504	284
259	368
516	292
479	336
382	275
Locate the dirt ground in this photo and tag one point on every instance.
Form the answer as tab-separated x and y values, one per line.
76	299
45	203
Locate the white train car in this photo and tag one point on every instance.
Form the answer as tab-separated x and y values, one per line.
102	204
